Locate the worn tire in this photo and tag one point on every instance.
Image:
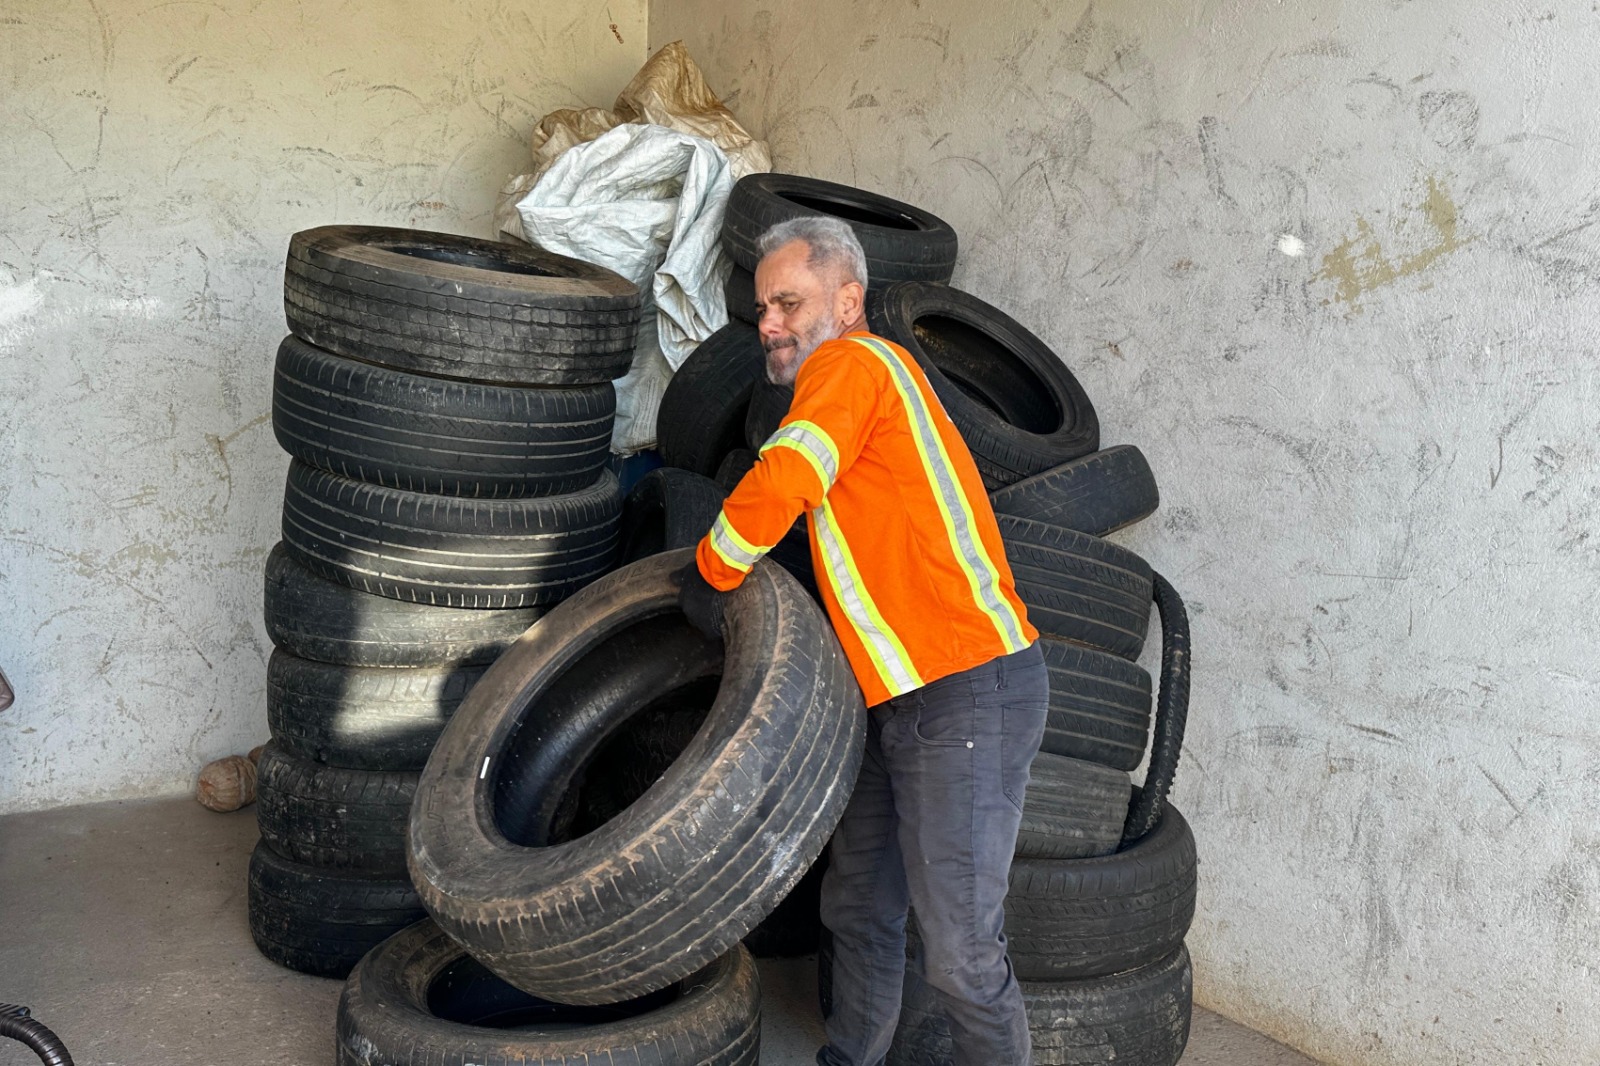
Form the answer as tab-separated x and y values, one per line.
362	718
1099	705
420	999
314	618
331	816
459	307
322	921
668	508
1073	809
1077	587
794	927
1018	407
448	551
739	292
425	434
901	242
769	404
1172	714
734	466
1139	1018
692	865
703	408
1073	918
1098	494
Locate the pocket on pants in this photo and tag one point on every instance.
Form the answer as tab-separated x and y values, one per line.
1021	730
943	726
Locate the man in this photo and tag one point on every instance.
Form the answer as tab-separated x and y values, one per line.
915	581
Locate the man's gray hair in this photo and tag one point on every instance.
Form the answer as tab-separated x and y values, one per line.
832	242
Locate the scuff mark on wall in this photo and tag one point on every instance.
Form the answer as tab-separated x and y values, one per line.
1360	265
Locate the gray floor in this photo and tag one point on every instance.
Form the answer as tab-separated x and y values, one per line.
123	926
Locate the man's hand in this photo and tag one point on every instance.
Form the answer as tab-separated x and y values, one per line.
700	603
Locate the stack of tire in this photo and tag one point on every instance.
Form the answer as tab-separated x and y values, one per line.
448	406
1103	886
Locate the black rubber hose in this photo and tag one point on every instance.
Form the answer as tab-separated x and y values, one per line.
15	1024
1172	714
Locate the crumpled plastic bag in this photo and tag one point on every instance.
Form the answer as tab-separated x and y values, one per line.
647	202
669	91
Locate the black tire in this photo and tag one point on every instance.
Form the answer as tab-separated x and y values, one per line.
734	466
1073	809
1079	588
1072	918
740	293
1098	494
333	817
321	921
419	998
668	508
901	242
362	718
1099	705
314	618
769	404
459	307
1140	1018
1017	405
425	434
1172	714
448	551
794	927
703	408
707	852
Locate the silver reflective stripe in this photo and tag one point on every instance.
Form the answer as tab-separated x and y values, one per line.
727	543
814	444
888	655
954	500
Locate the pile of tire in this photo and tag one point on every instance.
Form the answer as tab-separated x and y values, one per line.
448	405
1103	886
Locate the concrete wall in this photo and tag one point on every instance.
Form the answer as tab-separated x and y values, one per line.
156	158
1333	266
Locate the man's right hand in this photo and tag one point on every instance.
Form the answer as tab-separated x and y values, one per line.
700	603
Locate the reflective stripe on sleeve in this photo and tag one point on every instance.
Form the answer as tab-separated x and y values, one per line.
888	654
812	442
983	576
732	548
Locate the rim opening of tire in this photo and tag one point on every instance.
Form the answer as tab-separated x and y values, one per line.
986	369
465	992
648	537
551	785
852	212
476	258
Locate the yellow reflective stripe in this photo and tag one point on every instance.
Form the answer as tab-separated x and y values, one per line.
733	549
813	442
983	577
888	654
810	457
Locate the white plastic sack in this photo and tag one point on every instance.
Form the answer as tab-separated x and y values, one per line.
647	202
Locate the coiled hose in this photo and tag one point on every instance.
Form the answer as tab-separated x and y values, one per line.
15	1024
1172	714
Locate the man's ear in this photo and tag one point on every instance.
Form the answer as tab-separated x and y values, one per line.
848	303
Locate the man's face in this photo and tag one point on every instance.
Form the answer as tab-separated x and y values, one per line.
798	309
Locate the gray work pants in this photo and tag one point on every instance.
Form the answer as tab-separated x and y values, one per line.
932	824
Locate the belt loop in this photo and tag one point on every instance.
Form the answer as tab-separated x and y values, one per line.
1000	673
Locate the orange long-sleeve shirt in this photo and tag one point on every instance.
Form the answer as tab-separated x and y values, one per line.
903	540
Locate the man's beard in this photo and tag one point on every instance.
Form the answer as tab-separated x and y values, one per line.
803	344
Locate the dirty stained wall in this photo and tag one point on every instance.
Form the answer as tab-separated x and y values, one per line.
157	157
1334	267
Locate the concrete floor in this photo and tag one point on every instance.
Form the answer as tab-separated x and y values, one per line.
124	930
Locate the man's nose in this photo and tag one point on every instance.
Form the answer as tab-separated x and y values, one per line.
771	322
